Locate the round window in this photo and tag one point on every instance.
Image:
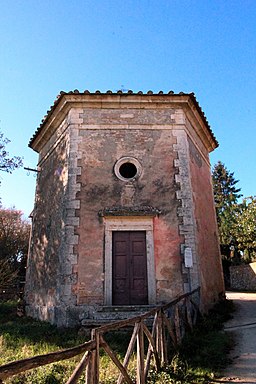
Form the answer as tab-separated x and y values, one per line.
127	168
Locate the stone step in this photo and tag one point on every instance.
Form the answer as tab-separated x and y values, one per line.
110	314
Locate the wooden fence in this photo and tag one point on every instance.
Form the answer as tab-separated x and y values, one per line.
163	327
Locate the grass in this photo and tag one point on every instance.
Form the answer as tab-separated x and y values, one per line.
202	354
24	337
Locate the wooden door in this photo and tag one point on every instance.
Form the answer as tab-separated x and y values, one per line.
130	285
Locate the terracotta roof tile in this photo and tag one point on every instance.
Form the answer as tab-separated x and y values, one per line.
122	92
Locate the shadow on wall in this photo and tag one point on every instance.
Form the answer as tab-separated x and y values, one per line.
243	277
44	272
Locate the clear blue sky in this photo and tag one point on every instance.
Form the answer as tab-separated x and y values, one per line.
202	46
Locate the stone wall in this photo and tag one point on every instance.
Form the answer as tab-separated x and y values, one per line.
51	258
43	282
243	277
205	227
198	222
104	140
78	189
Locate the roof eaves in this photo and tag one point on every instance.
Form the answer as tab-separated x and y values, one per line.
201	113
62	94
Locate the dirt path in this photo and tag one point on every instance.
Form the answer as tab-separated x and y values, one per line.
243	327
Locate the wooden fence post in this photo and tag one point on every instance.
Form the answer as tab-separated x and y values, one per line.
158	337
90	372
163	340
152	347
177	324
114	358
96	335
140	355
129	351
188	313
79	369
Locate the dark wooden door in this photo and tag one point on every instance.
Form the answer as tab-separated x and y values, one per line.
130	285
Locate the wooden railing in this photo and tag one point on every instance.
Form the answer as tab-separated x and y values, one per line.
168	324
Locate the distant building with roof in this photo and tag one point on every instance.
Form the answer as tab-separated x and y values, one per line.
124	217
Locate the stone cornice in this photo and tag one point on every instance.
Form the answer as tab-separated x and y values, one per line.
130	211
66	101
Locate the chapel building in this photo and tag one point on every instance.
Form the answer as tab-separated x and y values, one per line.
124	217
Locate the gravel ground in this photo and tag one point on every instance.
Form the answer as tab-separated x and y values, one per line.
243	328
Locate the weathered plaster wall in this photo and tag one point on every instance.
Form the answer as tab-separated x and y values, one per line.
43	286
208	254
100	148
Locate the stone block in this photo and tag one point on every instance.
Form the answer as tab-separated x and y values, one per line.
75	204
73	221
72	258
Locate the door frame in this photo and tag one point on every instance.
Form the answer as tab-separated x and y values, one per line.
132	250
129	224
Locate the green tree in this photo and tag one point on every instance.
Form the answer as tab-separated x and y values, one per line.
14	240
226	195
14	232
7	163
245	228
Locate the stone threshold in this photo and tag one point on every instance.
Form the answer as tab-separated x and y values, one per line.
126	308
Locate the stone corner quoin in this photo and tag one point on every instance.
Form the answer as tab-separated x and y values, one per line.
124	215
